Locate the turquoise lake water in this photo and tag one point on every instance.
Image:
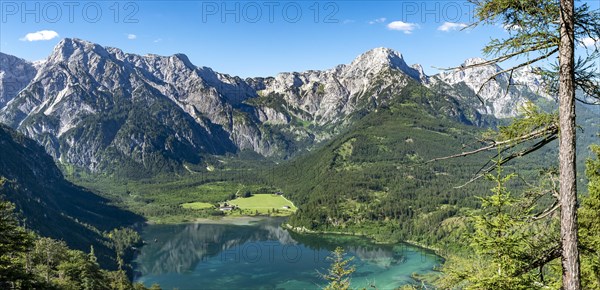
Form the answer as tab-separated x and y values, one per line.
262	255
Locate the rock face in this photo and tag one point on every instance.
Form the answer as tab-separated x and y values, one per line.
501	96
329	96
15	74
98	107
92	106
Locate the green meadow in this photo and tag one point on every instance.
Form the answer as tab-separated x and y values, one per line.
263	204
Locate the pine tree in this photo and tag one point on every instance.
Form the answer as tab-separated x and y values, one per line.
47	253
14	243
589	225
340	271
540	29
31	262
122	239
501	240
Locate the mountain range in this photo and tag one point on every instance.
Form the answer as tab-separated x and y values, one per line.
104	110
355	138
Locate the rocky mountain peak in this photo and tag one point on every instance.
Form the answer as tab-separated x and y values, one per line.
379	55
184	59
167	102
473	61
70	48
377	58
380	58
526	76
471	70
419	68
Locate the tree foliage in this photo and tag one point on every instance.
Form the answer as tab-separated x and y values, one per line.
28	261
534	36
14	243
501	243
122	240
589	225
539	29
514	242
340	271
501	239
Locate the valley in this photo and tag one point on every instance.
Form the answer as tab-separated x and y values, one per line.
97	139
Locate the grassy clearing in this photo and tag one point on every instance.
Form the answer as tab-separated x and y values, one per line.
197	205
264	204
172	199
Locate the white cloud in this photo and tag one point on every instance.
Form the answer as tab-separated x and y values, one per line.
378	20
402	26
157	40
589	42
348	21
449	26
131	36
513	27
40	35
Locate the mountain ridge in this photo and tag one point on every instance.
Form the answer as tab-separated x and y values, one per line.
96	107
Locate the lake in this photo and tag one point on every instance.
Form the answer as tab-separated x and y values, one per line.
259	254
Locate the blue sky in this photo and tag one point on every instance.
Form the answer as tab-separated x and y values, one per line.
252	38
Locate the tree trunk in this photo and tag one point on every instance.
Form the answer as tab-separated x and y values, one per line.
568	177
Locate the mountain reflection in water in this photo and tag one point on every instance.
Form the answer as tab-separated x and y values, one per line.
263	255
179	248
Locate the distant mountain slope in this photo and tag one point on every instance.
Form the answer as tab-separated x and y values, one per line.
374	172
374	178
15	75
108	111
501	95
49	204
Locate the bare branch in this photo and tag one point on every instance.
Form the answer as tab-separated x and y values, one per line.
546	257
521	153
549	130
512	69
548	211
498	59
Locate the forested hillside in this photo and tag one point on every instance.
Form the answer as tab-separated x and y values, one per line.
378	178
52	206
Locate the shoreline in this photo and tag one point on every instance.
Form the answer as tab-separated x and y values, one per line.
303	230
413	276
248	220
227	219
231	220
224	220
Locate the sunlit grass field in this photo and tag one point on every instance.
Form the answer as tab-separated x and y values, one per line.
197	205
264	204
